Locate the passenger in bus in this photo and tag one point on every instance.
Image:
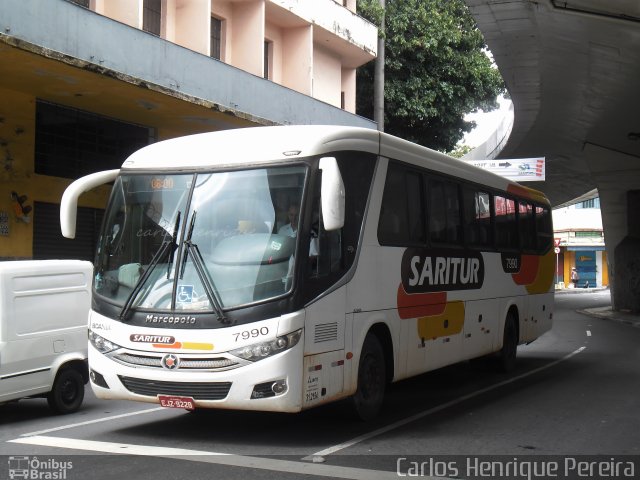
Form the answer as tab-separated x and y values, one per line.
280	206
291	230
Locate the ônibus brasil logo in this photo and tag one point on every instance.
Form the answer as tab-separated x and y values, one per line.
33	468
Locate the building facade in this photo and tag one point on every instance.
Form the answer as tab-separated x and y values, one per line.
580	240
84	83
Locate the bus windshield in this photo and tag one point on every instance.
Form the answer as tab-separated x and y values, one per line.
199	241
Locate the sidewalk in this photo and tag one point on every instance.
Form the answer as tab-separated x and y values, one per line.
603	312
560	291
608	314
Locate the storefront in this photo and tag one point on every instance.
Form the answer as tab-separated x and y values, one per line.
591	264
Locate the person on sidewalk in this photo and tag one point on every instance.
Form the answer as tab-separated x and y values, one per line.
574	277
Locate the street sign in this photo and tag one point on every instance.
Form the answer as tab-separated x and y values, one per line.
519	169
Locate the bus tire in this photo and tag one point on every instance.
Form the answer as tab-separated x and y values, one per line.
369	395
507	355
67	393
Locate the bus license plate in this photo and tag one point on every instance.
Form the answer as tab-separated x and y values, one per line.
171	401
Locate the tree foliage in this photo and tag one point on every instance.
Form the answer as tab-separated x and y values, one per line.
436	71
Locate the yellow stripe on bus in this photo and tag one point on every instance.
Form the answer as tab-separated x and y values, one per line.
448	323
197	346
544	279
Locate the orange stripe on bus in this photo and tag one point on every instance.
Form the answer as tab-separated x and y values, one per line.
420	304
529	266
528	193
167	345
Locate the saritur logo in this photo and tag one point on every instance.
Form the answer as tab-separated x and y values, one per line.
440	270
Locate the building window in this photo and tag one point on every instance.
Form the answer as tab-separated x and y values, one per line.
71	143
152	16
591	203
82	3
48	243
216	38
267	58
589	234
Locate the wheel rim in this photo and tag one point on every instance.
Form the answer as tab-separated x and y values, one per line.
68	391
371	378
510	342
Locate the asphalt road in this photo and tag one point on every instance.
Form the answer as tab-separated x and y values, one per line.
575	393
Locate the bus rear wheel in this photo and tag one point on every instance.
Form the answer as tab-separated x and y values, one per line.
507	355
369	396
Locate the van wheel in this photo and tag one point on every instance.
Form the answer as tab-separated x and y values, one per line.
507	355
369	396
68	391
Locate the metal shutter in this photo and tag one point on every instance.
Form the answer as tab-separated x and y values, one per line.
48	242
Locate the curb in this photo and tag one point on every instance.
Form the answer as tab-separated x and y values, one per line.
574	291
608	314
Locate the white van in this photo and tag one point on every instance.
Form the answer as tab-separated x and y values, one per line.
44	306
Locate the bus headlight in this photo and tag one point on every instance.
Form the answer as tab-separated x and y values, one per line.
258	351
102	344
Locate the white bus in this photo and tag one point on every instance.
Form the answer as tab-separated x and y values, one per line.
402	260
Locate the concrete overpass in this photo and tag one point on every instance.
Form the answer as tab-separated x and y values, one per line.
572	68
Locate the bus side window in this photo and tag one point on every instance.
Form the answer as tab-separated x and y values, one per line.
325	252
402	214
325	248
477	218
445	225
336	250
506	228
526	226
544	231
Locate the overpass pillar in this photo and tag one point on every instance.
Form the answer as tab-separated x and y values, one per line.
617	176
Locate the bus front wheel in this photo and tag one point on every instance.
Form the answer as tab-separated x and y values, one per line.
369	395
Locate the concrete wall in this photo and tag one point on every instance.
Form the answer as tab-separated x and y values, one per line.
192	24
18	113
122	11
115	48
247	42
297	48
349	88
327	76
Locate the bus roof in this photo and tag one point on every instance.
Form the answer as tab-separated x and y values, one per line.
260	145
253	145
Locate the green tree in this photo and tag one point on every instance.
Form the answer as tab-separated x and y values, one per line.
436	71
460	151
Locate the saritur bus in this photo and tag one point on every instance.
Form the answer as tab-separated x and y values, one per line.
402	260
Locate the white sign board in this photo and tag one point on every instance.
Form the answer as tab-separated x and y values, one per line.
518	170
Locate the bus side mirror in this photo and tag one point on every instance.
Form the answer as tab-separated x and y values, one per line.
69	202
332	194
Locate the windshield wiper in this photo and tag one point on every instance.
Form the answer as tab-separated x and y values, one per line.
167	243
201	270
174	245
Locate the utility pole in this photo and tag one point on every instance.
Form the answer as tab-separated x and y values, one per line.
378	80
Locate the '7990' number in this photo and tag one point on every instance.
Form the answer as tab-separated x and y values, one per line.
253	333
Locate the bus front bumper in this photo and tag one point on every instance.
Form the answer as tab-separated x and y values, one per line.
270	384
